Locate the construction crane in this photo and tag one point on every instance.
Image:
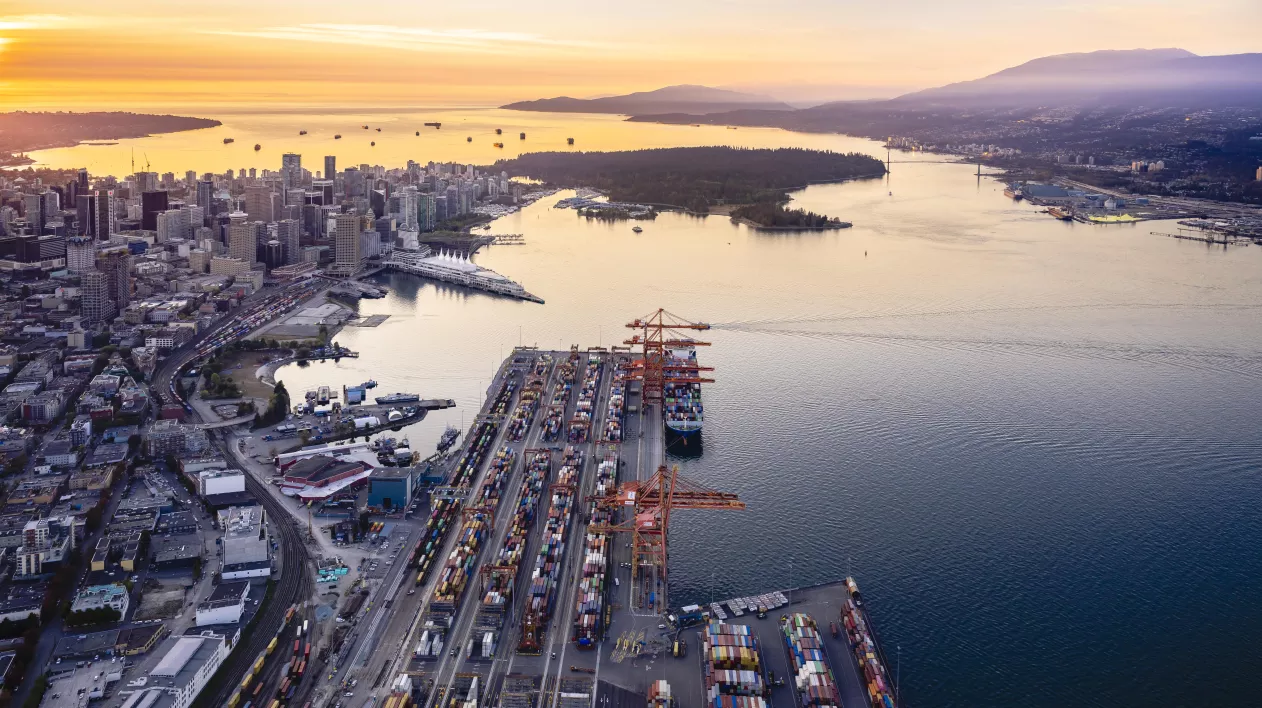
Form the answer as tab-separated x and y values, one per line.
651	502
660	331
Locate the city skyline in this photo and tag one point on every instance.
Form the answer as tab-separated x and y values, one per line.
144	53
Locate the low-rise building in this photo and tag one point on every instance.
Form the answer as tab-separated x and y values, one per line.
183	671
225	605
96	597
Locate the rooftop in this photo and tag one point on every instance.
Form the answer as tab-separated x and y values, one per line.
319	468
226	593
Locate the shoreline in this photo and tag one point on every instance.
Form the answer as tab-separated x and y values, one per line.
759	227
19	155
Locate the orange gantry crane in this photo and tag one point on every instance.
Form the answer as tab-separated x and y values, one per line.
658	332
651	502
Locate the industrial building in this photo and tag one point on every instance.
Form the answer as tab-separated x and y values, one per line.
392	487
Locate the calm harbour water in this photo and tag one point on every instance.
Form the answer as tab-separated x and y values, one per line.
1036	444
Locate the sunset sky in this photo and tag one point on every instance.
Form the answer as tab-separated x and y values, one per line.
152	53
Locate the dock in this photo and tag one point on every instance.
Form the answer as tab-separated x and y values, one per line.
483	628
457	269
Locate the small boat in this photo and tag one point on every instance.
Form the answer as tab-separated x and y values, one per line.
228	140
569	141
364	127
378	130
486	228
418	132
370	383
499	131
448	438
337	137
469	139
637	229
257	147
498	145
302	132
372	144
433	125
523	136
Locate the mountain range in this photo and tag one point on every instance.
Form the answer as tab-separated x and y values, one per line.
1108	78
685	98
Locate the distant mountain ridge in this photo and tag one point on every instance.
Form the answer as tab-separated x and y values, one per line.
1165	75
685	98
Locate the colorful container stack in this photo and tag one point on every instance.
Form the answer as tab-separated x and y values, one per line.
812	676
581	423
504	399
660	695
527	405
499	590
617	401
732	667
561	392
443	513
455	574
547	568
880	689
589	615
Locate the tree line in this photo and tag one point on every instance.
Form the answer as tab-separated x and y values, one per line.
693	178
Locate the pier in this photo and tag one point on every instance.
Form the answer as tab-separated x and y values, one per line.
487	629
457	270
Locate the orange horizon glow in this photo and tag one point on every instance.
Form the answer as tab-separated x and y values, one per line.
147	54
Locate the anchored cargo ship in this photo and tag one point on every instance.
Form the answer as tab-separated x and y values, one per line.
1062	213
682	411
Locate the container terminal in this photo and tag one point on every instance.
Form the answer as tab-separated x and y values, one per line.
538	579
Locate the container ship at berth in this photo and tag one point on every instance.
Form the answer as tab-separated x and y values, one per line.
682	411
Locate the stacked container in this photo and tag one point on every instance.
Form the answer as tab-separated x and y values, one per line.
617	400
499	590
589	613
580	425
547	568
732	667
865	649
659	695
812	676
454	577
444	510
505	397
529	402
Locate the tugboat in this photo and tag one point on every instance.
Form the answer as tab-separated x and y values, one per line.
257	147
337	137
370	383
499	131
522	136
569	141
433	125
498	145
448	439
637	229
378	130
372	144
364	127
228	140
302	132
418	132
469	139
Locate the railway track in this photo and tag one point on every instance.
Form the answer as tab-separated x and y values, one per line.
295	576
